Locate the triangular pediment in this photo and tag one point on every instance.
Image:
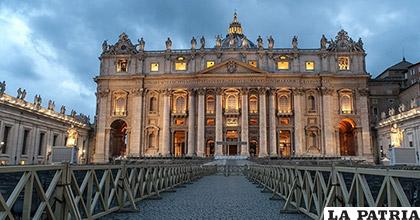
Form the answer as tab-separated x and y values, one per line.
232	66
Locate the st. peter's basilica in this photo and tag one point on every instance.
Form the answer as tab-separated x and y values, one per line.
233	96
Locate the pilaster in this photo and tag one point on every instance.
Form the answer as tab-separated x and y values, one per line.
219	122
244	123
263	122
191	122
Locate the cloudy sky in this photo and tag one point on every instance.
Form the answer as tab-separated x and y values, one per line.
52	47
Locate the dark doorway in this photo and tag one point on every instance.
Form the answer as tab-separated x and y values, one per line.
285	148
179	143
118	139
347	137
233	149
210	148
232	139
253	148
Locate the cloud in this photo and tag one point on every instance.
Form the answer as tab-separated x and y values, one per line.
35	62
51	47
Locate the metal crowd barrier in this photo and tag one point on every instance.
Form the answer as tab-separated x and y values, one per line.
86	192
309	189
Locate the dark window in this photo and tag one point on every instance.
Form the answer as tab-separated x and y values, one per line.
41	143
65	140
55	140
411	144
153	104
25	141
5	139
375	111
311	103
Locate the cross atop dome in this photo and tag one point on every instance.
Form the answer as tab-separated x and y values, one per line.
235	27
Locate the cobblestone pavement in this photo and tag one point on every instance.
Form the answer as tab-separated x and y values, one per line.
212	197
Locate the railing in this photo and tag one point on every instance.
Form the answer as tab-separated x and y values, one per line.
86	192
309	189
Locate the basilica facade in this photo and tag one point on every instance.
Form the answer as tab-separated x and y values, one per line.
233	96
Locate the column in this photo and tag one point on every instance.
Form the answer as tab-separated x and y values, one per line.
364	118
263	123
134	148
328	123
244	123
101	148
200	123
219	122
165	149
191	122
298	111
272	117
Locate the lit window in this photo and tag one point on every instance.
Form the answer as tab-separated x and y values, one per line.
253	63
253	121
284	121
210	105
232	103
253	104
122	65
346	104
284	104
210	63
154	67
180	105
283	64
210	122
120	103
310	65
343	63
180	64
120	106
179	121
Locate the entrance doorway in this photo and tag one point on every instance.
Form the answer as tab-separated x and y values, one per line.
118	139
253	148
347	130
285	148
210	148
232	142
179	143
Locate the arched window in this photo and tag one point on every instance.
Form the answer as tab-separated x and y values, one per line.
313	140
210	105
180	105
153	104
346	105
152	140
284	104
253	104
311	103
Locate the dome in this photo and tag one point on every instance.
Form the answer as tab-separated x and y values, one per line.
235	37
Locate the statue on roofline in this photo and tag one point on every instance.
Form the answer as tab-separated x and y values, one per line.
168	44
294	42
260	42
141	44
323	42
2	87
193	43
270	42
203	42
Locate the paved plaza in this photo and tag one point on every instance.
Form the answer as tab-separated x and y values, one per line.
212	197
